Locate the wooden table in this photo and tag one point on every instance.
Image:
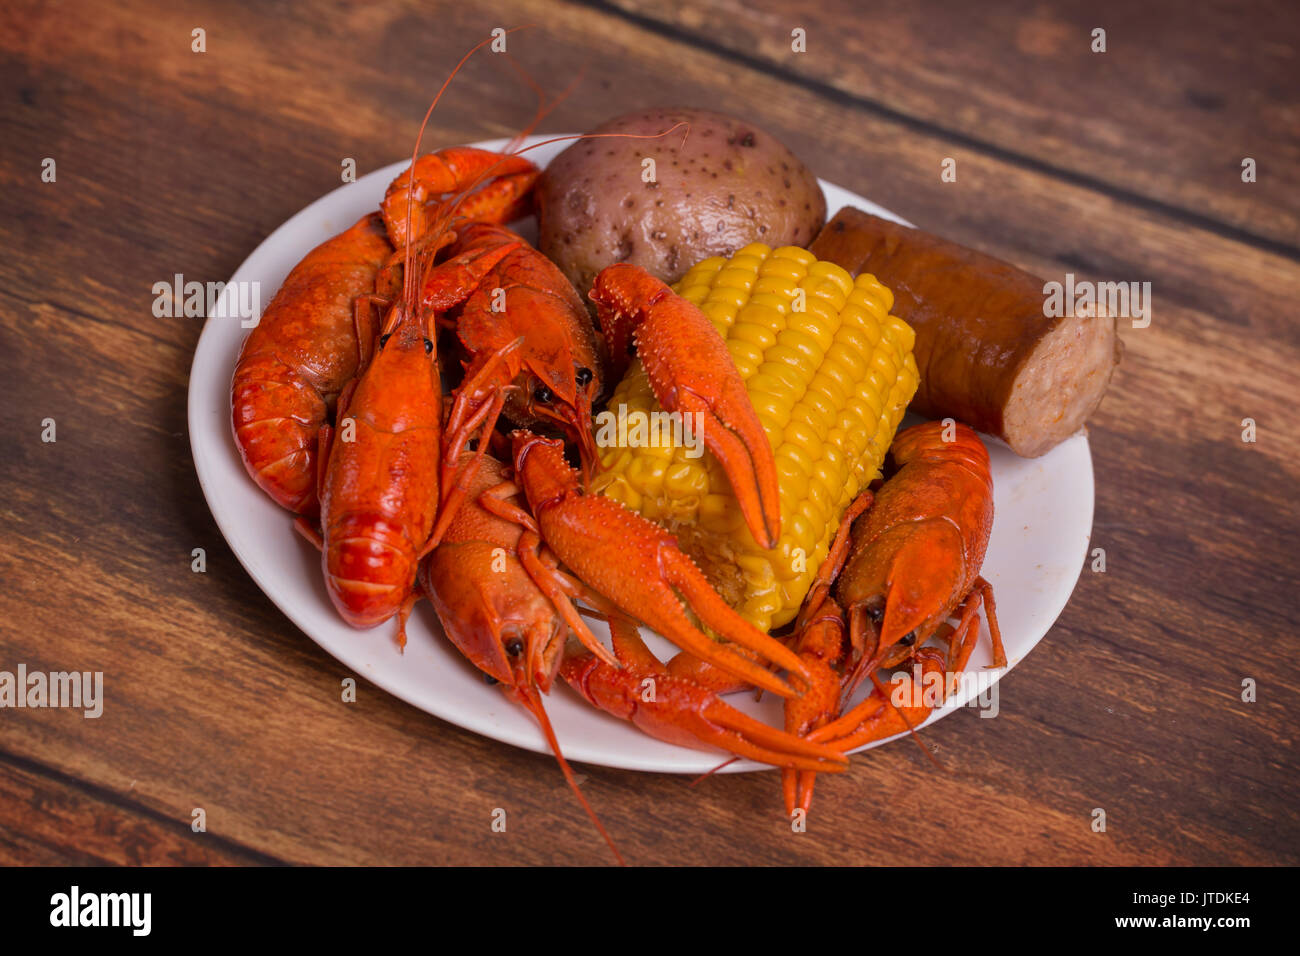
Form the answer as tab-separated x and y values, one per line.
1123	165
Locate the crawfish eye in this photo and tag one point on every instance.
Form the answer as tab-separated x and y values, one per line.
877	614
514	647
489	679
383	339
908	639
428	346
584	375
543	395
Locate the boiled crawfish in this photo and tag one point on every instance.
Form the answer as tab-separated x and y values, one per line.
506	602
297	360
529	350
305	349
380	489
910	563
492	609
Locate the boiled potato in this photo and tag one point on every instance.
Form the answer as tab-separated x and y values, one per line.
729	185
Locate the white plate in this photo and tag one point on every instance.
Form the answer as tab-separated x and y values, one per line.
1040	539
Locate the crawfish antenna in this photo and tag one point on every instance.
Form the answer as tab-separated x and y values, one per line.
544	108
531	699
415	153
709	773
875	679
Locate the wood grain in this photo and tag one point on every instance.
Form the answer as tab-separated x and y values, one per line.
171	161
1165	115
48	821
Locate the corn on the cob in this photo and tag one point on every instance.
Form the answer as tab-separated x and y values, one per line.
830	373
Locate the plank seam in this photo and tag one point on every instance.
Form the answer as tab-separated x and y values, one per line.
113	798
956	137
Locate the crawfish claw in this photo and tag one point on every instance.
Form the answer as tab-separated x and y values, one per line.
679	711
692	373
637	566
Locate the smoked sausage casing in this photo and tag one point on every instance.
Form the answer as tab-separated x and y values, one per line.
987	353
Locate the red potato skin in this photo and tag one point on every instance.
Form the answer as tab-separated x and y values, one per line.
728	185
978	323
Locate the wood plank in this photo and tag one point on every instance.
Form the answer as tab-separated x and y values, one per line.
50	821
1167	113
216	701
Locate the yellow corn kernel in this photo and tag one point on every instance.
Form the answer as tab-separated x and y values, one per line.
829	372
